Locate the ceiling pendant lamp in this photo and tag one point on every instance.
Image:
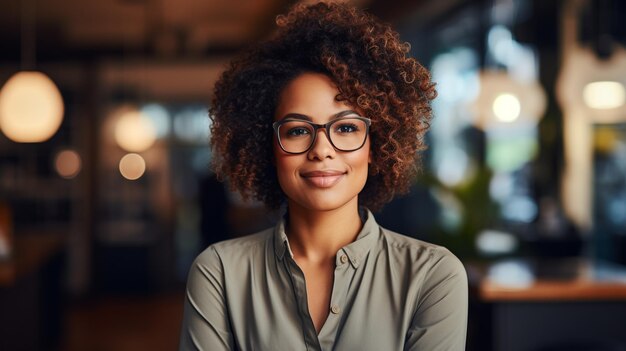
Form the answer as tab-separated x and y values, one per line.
504	102
134	131
31	106
510	96
599	90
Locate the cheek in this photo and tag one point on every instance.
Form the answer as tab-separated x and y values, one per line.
285	166
364	156
359	162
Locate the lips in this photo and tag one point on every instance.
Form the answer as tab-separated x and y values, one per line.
324	178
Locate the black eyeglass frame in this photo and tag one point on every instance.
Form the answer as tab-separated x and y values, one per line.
316	127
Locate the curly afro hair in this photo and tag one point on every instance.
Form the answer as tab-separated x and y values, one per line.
373	72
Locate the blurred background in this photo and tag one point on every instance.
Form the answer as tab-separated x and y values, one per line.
106	195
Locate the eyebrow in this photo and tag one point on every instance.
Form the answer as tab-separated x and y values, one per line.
307	118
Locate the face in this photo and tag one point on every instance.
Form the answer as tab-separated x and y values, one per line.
323	178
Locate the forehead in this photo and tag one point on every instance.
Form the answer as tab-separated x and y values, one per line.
311	94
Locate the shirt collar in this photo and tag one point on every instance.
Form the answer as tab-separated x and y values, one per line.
355	251
281	243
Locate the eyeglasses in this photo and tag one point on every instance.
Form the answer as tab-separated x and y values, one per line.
297	136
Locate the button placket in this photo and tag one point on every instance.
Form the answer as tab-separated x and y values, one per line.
343	276
299	288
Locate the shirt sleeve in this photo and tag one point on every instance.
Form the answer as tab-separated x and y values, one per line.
205	318
440	320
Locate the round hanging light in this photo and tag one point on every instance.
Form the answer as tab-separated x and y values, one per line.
504	102
31	107
597	92
134	132
506	107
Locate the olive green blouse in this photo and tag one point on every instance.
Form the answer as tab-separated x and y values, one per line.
390	292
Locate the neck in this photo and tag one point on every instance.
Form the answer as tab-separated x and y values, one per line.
316	236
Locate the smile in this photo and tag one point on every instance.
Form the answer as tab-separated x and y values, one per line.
323	179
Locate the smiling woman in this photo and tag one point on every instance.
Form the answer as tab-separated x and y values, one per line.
326	119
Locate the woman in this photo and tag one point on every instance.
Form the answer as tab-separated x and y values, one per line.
326	118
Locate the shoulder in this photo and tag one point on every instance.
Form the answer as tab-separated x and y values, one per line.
423	256
402	244
234	250
436	292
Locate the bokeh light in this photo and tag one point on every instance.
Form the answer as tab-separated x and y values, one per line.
132	166
31	107
68	164
495	242
506	107
511	273
134	132
193	125
159	116
505	102
604	95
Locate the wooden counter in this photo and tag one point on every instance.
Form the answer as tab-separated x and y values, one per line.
578	290
558	304
556	280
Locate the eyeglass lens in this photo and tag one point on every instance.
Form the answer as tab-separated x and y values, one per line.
346	134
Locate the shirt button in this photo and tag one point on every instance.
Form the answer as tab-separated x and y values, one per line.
335	309
343	258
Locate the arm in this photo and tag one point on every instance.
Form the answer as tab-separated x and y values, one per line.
205	319
440	321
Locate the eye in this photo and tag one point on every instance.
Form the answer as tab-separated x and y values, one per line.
346	127
297	131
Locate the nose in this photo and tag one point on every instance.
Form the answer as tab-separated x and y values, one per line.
322	147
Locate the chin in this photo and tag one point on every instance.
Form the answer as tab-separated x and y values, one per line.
324	203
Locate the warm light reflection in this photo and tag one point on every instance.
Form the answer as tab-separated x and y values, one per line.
132	166
31	107
506	107
604	95
134	132
67	164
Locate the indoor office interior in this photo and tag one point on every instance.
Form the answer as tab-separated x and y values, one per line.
106	194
